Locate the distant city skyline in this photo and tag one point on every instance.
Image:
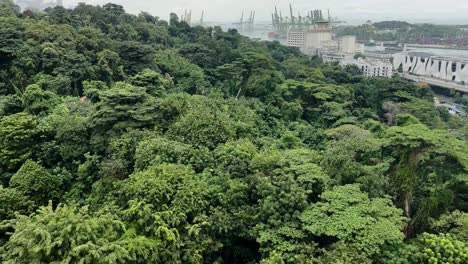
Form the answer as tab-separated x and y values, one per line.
352	11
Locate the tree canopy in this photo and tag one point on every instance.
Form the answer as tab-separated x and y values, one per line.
129	139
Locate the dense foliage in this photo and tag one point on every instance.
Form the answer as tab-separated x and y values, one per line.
129	139
404	31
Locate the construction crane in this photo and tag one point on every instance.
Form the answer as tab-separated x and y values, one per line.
246	24
187	17
283	24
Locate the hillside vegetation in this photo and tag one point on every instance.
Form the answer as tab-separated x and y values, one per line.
128	139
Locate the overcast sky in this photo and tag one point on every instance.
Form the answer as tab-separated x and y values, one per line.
352	11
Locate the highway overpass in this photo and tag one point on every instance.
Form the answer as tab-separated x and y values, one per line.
436	82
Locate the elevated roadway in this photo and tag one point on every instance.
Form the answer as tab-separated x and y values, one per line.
436	82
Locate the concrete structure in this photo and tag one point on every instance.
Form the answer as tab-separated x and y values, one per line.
347	44
374	68
359	48
447	69
369	67
386	31
454	109
318	36
295	39
314	41
337	57
378	55
436	82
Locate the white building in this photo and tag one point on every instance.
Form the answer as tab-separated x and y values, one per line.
359	48
348	44
444	68
317	38
337	57
369	67
374	68
295	39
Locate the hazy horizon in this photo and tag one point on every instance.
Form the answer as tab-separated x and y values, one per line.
352	12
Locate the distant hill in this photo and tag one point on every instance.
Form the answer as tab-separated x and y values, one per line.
391	25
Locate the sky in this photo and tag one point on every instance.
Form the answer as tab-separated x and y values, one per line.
350	11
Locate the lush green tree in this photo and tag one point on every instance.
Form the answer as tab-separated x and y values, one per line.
346	214
425	164
13	201
342	253
124	106
76	67
252	75
10	104
8	8
154	83
18	138
37	101
136	57
68	125
59	85
68	235
424	111
152	33
204	127
286	184
297	69
11	34
92	89
36	182
454	223
161	150
200	55
234	158
162	142
110	66
169	202
123	152
355	156
323	103
187	77
442	248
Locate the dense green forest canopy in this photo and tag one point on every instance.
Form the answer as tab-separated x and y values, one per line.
400	30
129	139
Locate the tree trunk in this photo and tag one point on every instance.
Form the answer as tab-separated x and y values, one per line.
238	92
407	203
75	87
407	208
